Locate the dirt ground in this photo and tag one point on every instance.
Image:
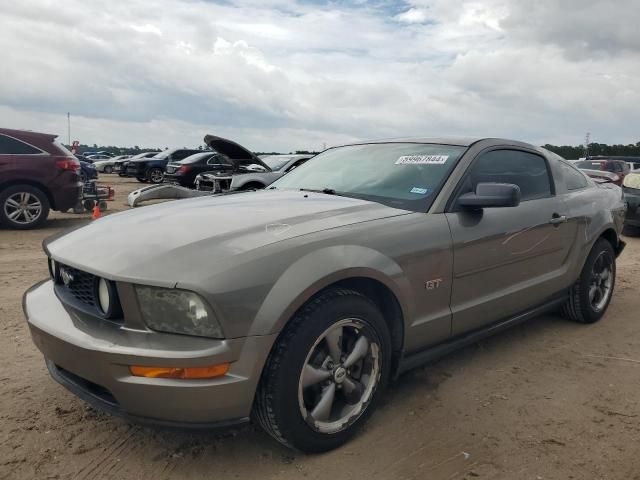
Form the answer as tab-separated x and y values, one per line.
547	400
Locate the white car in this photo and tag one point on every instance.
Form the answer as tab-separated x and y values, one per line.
107	166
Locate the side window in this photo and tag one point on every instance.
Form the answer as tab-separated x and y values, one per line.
574	178
11	146
218	160
527	170
297	164
180	154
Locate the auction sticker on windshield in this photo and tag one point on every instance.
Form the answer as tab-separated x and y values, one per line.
422	160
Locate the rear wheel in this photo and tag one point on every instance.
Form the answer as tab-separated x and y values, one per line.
23	207
326	372
155	175
590	296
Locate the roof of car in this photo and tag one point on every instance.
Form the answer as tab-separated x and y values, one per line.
25	133
448	140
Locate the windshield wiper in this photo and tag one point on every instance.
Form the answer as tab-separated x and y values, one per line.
327	191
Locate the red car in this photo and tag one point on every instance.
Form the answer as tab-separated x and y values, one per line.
619	168
37	174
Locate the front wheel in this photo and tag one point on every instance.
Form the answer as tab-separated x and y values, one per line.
590	296
326	372
108	169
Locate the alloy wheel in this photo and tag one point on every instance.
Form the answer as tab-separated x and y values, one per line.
23	208
600	284
339	376
156	175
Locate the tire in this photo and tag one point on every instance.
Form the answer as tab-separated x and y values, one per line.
89	204
590	296
155	175
23	207
142	179
108	169
102	205
285	408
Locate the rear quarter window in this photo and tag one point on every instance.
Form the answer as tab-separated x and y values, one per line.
13	146
574	179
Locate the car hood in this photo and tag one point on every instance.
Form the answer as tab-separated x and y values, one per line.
160	244
233	150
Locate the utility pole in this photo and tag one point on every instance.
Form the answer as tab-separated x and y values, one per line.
587	140
68	128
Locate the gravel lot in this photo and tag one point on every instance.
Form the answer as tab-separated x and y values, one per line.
548	400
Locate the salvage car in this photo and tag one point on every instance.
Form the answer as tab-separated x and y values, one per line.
617	167
152	169
108	166
631	191
120	166
185	171
37	174
279	165
297	304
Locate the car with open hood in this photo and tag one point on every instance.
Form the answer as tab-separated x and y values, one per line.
279	165
298	304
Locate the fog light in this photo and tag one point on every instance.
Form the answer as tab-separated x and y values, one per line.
184	373
54	270
103	296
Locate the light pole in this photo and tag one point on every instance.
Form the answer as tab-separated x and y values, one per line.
68	128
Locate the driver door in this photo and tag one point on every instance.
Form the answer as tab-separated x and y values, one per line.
509	259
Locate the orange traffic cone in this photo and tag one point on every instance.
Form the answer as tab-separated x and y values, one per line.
96	212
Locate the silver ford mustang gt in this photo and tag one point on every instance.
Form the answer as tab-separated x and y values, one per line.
297	304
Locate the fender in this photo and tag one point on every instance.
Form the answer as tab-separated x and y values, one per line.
321	268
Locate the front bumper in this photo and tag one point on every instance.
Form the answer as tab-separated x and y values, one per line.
92	359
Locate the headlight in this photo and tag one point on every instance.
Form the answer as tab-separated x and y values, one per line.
177	311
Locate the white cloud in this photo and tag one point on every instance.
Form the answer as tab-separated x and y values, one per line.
413	15
281	74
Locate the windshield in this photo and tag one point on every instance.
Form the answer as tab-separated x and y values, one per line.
400	175
276	162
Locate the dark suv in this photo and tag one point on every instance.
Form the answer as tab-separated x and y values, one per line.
152	169
37	174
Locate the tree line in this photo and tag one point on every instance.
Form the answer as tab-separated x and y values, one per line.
574	152
82	148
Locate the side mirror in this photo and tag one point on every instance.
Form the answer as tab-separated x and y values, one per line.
490	195
256	168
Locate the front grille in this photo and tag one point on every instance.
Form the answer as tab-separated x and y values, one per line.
78	289
82	285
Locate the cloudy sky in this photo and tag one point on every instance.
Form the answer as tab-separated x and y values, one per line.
285	74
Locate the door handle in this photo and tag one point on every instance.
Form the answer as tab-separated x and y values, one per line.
558	219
